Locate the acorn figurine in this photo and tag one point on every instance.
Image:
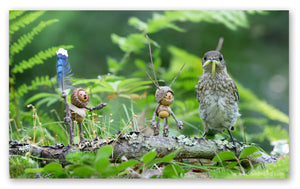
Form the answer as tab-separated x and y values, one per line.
164	96
79	101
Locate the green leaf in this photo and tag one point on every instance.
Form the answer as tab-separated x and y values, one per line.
40	95
168	158
110	171
104	152
137	23
33	170
83	171
104	87
133	43
81	157
140	64
232	164
173	171
248	151
52	167
55	169
149	156
101	165
160	22
113	65
127	164
224	156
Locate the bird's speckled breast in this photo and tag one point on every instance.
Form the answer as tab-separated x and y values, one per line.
218	104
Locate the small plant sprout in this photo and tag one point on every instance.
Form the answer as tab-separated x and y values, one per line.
164	96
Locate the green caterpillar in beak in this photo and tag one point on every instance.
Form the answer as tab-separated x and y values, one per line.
214	62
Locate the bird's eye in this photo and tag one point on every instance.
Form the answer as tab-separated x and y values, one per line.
204	58
220	58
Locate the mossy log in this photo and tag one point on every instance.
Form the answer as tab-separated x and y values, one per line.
134	145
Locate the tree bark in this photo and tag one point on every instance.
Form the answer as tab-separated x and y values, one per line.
134	145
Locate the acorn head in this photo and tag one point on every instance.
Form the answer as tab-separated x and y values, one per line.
164	95
79	98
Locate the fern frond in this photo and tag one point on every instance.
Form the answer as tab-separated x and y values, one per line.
28	37
15	13
24	21
231	19
38	81
39	58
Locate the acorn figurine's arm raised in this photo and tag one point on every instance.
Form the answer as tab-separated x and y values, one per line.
164	96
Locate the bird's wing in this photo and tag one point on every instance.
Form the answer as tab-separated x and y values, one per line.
236	92
198	88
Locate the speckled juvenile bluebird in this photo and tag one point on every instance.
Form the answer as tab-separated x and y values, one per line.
217	94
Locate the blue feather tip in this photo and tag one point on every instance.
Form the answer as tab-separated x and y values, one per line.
63	70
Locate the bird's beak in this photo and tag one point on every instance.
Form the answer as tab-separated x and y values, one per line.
214	62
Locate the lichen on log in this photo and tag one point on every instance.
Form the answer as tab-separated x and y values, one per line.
134	145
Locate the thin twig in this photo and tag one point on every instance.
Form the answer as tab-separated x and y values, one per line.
151	60
176	75
219	47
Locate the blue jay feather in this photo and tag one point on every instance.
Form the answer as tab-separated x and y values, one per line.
63	70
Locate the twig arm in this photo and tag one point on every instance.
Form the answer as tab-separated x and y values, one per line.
179	122
97	107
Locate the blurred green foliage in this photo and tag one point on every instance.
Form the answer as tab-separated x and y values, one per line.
109	56
91	165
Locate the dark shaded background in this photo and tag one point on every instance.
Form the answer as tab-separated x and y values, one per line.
258	56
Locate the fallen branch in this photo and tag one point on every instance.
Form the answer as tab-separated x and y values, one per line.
134	145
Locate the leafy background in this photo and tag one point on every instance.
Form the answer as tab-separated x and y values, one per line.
108	54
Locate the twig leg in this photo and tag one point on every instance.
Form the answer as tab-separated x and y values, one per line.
67	119
72	132
166	128
80	132
156	128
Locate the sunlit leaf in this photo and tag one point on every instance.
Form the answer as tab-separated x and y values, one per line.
149	156
104	152
83	171
224	156
127	164
248	151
